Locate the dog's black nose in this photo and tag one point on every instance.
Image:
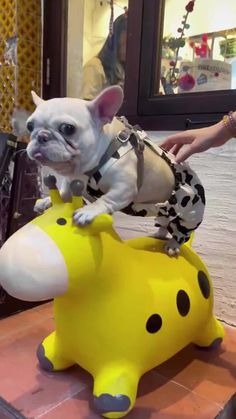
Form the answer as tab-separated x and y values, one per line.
43	137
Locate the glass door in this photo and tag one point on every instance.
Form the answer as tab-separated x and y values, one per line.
96	46
190	46
198	48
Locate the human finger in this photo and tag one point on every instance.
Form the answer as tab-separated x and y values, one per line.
175	150
180	138
185	153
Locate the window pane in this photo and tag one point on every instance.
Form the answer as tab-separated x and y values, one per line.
198	51
96	46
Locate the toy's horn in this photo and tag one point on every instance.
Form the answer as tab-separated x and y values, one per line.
77	187
51	183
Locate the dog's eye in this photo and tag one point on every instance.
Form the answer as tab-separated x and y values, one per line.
67	129
30	126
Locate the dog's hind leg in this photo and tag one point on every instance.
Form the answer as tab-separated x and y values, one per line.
180	234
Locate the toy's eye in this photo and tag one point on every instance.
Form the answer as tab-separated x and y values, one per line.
30	126
67	129
61	221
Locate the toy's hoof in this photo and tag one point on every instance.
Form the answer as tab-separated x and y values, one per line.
44	362
214	345
106	403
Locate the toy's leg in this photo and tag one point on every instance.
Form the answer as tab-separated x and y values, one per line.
50	356
212	335
115	391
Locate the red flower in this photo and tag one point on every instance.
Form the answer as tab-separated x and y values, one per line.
190	6
204	38
172	63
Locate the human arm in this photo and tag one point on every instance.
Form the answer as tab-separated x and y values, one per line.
189	142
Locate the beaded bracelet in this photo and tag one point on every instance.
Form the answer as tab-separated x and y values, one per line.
230	123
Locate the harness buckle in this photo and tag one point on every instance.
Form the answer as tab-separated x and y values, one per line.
124	136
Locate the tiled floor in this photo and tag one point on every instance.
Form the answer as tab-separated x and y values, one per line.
192	385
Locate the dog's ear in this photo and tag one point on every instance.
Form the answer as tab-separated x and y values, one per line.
36	99
107	103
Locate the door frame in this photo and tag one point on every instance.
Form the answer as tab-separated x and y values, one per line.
54	57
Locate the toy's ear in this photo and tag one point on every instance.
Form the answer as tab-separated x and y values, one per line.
105	106
36	99
100	224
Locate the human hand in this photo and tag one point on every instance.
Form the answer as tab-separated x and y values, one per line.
186	143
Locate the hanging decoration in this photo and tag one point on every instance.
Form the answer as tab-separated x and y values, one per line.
111	18
171	47
180	42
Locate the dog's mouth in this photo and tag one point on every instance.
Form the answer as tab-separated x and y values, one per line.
49	154
64	166
38	156
43	159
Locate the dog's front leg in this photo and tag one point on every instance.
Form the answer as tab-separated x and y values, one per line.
117	198
43	204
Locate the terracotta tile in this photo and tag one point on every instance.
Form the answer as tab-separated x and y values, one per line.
46	310
193	384
30	390
20	321
158	399
77	407
211	374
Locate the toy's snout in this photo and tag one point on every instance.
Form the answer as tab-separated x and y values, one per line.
32	267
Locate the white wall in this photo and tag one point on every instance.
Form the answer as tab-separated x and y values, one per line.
208	16
75	46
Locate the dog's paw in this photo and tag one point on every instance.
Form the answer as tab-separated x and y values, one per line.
85	215
172	248
42	205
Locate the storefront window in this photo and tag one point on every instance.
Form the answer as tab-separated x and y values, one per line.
198	51
96	46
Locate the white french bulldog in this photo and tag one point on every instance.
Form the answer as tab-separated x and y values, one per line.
71	136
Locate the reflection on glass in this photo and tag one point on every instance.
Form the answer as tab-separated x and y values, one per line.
198	47
107	67
96	47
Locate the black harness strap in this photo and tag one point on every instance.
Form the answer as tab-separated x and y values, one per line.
114	145
128	134
138	146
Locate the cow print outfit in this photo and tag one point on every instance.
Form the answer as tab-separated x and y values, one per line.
182	212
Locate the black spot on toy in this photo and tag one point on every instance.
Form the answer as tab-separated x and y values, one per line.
204	284
61	221
154	323
183	303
